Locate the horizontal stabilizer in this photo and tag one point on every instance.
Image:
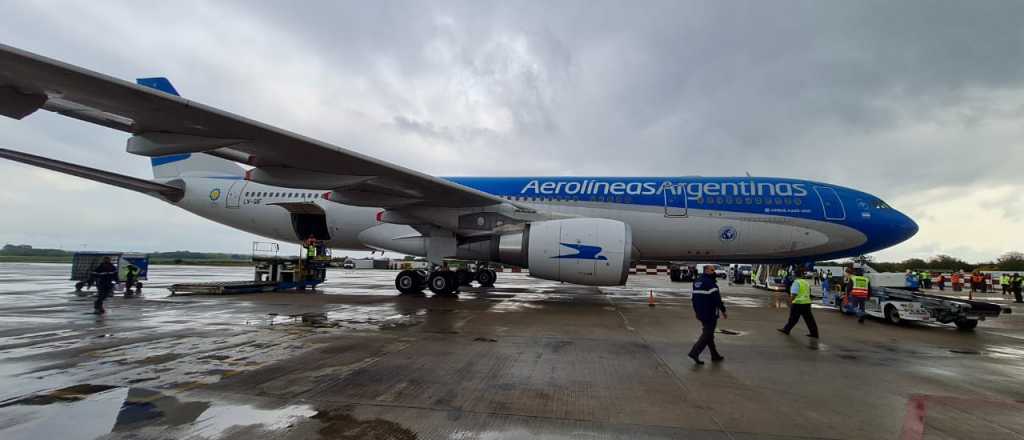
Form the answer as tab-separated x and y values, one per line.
166	192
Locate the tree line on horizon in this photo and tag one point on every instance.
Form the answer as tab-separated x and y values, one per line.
1012	261
1009	261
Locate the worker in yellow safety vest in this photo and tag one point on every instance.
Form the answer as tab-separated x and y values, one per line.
1004	282
800	293
857	294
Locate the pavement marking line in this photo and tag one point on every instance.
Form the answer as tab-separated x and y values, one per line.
666	366
917	410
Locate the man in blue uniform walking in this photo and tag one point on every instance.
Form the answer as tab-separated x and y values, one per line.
105	275
707	303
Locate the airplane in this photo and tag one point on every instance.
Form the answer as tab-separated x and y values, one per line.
582	230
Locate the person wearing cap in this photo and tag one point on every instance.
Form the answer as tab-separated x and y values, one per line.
801	307
707	304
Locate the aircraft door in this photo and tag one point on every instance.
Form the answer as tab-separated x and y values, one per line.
235	194
831	205
675	201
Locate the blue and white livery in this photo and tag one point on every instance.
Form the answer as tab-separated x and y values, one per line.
584	230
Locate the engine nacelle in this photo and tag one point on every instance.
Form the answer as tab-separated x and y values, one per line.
589	251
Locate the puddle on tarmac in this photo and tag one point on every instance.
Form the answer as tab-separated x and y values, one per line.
1005	352
88	411
340	424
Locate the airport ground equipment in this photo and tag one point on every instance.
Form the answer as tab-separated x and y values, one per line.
765	276
740	273
272	273
83	264
891	301
682	272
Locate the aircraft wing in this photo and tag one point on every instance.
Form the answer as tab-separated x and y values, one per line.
167	192
165	124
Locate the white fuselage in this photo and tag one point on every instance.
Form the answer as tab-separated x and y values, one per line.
264	210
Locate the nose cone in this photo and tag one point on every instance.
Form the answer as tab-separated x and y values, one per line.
905	227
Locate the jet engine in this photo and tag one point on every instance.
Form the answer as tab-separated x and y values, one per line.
589	251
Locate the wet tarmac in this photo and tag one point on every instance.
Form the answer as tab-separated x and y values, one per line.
525	359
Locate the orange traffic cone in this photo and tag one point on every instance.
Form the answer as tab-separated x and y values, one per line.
650	299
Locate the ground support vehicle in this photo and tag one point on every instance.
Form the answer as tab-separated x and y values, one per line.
271	273
897	304
682	272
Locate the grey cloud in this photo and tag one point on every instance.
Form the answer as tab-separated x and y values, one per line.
892	98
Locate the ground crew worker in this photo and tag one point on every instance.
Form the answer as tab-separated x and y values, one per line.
941	281
926	279
707	304
911	281
801	307
1017	283
1004	282
131	277
857	294
311	247
824	291
977	283
105	275
957	280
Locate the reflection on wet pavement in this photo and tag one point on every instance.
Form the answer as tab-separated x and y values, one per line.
525	358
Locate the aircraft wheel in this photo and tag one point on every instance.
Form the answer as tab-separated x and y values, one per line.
409	282
486	277
443	283
892	315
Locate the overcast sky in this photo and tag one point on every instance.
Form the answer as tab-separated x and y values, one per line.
920	103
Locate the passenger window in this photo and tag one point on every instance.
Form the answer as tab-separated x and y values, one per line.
787	201
719	200
767	200
798	202
748	201
778	200
757	200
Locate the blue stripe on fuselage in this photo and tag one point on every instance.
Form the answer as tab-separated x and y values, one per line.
744	195
785	197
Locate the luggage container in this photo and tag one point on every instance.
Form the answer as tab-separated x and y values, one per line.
83	264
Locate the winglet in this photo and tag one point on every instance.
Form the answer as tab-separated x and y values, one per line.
160	83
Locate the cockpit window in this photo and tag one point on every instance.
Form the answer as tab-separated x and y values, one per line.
878	203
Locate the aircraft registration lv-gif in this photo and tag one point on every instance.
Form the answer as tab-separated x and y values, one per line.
581	230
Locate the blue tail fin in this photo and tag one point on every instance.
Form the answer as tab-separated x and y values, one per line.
198	164
160	83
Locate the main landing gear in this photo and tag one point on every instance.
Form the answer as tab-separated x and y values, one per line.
442	282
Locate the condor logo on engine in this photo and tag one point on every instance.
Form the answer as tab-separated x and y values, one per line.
583	252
